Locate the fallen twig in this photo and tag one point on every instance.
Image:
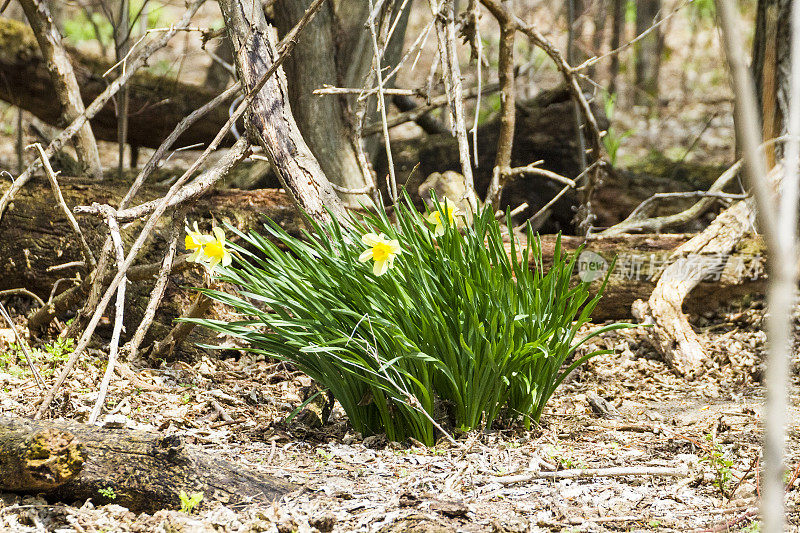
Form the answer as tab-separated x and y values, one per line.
113	228
24	346
157	294
635	221
51	177
578	473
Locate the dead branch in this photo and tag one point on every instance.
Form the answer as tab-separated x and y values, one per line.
581	473
671	333
508	110
88	257
778	219
113	228
157	103
378	58
24	346
165	347
444	14
234	13
636	221
132	347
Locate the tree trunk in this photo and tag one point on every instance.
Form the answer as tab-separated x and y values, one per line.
157	104
143	471
648	52
771	67
312	65
270	121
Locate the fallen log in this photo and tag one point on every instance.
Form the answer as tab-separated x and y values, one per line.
157	103
143	471
640	260
36	236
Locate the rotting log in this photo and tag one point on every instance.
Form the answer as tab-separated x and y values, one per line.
157	103
37	236
143	471
640	260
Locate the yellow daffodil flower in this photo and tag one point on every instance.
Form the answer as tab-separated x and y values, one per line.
435	217
207	249
215	252
194	241
381	250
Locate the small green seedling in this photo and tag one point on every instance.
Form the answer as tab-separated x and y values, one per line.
108	493
719	463
189	503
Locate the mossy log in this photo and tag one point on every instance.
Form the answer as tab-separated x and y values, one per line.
143	471
157	103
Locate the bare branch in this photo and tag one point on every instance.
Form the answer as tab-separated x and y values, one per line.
51	177
98	103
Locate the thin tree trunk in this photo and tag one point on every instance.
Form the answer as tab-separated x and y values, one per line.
64	81
616	40
648	52
770	69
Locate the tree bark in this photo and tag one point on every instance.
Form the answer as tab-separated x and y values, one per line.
143	471
157	104
312	65
270	121
771	67
63	79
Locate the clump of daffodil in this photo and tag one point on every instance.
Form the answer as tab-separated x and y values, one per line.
209	250
381	250
435	216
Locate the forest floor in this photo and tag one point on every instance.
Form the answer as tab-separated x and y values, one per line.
709	428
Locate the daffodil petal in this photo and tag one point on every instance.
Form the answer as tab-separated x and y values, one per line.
438	231
226	259
371	239
380	268
195	257
219	233
366	255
